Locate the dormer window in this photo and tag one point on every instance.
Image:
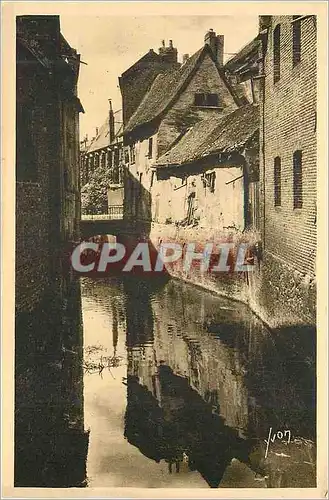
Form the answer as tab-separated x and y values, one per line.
206	100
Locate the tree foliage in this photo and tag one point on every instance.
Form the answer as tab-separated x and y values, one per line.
94	194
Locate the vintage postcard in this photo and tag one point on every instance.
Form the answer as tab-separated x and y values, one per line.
164	256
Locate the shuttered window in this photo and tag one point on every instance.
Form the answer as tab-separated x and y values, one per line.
206	100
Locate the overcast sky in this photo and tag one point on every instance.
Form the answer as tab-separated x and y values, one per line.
109	45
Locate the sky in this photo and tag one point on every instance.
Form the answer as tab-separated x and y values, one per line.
111	44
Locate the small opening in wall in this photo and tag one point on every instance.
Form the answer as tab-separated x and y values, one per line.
277	181
276	53
296	40
297	179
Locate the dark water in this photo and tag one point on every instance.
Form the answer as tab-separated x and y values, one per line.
181	389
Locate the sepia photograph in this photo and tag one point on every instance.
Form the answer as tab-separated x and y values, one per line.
165	182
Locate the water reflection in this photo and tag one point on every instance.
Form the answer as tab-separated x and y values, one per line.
199	384
50	440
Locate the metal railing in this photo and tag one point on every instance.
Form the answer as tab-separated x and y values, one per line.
115	212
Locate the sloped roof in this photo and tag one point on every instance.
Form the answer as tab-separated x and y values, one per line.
150	55
103	138
212	135
246	59
165	88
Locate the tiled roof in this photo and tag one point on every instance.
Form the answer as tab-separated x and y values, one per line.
246	59
165	88
103	138
212	135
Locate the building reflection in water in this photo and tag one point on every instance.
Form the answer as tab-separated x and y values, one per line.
50	441
206	381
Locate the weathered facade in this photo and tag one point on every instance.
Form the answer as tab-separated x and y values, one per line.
274	169
285	291
196	90
47	223
47	155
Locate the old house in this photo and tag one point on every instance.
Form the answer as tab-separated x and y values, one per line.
105	152
47	222
136	80
195	90
206	175
288	166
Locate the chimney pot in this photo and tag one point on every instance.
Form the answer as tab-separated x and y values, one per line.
170	44
216	43
96	131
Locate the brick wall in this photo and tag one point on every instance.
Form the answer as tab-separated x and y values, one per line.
284	292
290	125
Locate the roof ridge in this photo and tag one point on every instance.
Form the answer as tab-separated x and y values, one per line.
192	61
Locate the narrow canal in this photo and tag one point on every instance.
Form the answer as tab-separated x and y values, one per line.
183	389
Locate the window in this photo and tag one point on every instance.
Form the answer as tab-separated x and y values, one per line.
209	181
277	181
150	152
109	158
206	100
132	153
103	159
276	53
116	157
296	40
26	164
297	179
152	178
126	153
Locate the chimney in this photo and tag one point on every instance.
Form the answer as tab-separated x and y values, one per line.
185	58
216	43
96	132
111	123
264	22
168	54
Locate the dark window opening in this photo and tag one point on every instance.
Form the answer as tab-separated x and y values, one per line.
298	179
150	151
115	174
296	40
190	208
103	160
206	100
116	157
126	153
276	53
152	178
26	162
209	181
132	153
277	181
109	159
